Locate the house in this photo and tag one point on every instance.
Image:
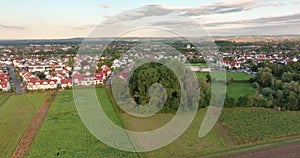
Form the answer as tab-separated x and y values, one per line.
97	78
4	82
82	80
5	86
199	68
229	64
65	83
41	84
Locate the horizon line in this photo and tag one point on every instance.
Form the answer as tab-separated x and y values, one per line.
73	38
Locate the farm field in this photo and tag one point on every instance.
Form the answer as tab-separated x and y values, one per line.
237	76
63	134
15	115
249	125
240	127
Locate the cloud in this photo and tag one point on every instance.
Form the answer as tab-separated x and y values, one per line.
268	29
287	19
288	24
181	18
222	7
228	7
10	27
104	5
145	11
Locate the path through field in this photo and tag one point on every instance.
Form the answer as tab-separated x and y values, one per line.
32	129
281	149
286	151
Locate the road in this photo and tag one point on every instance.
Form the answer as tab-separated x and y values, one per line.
15	81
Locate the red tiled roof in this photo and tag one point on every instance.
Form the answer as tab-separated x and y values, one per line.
3	84
66	81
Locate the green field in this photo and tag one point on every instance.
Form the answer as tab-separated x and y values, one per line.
240	89
63	134
15	115
248	125
187	145
196	64
237	76
3	98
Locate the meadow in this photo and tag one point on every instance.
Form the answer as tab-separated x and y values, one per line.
16	112
240	89
63	133
187	145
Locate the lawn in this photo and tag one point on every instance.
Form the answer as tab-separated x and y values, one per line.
63	134
15	115
237	76
248	125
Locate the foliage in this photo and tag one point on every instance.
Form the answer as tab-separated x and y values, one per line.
279	84
146	75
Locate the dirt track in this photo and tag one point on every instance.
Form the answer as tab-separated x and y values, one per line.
286	151
31	131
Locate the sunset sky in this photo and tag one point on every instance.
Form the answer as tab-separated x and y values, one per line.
48	19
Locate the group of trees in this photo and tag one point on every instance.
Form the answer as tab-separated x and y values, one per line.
146	75
277	86
156	84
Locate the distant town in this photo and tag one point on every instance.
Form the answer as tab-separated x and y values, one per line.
47	65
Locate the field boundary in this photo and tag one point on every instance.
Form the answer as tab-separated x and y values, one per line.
223	132
115	106
33	127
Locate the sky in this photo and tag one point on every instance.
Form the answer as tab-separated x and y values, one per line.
49	19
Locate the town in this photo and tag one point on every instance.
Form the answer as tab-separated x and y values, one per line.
44	66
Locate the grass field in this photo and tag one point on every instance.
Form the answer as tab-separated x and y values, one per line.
237	76
248	125
197	64
240	89
3	98
15	115
63	133
187	145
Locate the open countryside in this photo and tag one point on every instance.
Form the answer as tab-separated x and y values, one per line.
236	122
260	109
16	113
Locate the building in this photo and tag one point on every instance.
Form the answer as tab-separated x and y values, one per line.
4	82
41	84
